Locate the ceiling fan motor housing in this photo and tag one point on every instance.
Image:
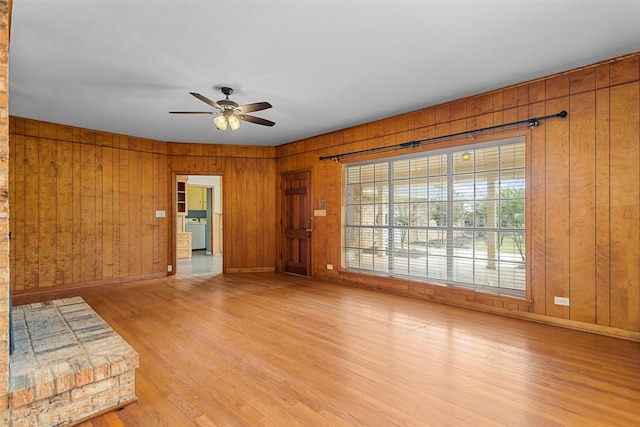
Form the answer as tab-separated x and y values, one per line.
227	104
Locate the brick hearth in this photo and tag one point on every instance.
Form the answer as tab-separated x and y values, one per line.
68	365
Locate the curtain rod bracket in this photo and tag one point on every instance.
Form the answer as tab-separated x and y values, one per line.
410	144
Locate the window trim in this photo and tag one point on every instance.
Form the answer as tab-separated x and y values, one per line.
523	138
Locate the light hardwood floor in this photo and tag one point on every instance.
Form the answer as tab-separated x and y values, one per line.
107	420
278	350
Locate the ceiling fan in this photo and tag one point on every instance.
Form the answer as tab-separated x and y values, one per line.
230	112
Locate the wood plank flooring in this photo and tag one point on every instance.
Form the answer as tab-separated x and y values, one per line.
277	350
110	419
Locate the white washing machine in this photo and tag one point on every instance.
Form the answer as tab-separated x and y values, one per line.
196	228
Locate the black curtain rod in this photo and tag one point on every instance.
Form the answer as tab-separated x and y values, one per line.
529	122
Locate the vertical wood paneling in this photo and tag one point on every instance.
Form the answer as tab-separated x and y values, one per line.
155	185
624	71
229	195
64	217
164	201
537	223
108	215
148	219
240	215
32	191
582	175
238	205
251	197
625	206
88	213
46	216
557	209
116	209
269	221
135	214
124	220
258	212
602	218
77	197
76	213
99	209
18	209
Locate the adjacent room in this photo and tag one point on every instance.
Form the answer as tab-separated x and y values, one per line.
326	213
199	225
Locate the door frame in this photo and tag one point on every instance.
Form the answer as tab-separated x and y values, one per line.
173	231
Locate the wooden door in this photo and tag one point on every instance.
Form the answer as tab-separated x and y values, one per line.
297	223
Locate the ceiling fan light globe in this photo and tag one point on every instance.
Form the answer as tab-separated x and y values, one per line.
220	122
234	122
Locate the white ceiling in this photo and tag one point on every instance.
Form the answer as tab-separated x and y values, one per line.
121	66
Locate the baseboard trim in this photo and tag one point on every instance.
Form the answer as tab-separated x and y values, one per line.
31	295
250	270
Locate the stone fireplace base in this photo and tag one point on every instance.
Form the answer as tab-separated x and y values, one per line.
68	365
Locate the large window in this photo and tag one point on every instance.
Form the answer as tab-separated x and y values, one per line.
454	217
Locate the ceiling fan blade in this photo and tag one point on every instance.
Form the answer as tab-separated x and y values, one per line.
257	106
206	100
191	112
256	120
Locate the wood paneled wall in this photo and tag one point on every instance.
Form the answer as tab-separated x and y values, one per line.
248	199
584	187
83	206
84	202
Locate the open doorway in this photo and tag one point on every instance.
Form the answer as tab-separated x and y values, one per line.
199	225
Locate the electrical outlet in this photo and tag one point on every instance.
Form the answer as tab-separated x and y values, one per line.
561	301
329	266
169	268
